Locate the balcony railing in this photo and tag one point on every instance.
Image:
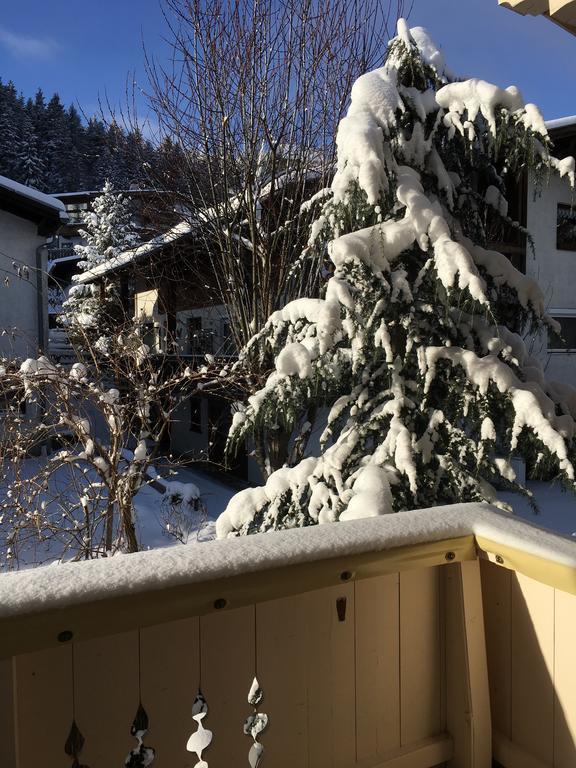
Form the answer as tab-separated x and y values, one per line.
442	636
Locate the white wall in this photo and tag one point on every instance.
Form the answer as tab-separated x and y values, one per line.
553	269
18	301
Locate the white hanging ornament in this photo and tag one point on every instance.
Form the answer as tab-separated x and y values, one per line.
255	724
202	738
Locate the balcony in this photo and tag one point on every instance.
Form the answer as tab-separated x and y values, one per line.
562	12
435	637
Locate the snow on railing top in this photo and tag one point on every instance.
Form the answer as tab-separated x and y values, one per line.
34	194
59	586
180	230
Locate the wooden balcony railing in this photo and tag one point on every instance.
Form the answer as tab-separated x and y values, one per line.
562	12
427	638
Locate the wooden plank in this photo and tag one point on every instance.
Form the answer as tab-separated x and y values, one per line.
43	707
467	691
170	680
282	672
512	756
532	667
420	655
377	666
496	586
476	664
98	618
7	721
423	754
107	697
227	640
565	681
330	677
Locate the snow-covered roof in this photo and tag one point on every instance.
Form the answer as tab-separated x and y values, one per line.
62	260
561	122
180	230
34	195
60	586
80	192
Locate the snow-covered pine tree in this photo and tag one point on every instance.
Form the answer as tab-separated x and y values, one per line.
90	312
9	122
29	164
55	144
416	346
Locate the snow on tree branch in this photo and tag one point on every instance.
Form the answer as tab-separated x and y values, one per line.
412	362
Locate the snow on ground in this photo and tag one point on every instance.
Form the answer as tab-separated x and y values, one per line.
557	507
152	517
152	512
557	511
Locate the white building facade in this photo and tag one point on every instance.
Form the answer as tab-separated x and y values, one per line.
27	218
551	221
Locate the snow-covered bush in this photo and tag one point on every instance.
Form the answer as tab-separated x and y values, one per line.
415	349
183	512
77	444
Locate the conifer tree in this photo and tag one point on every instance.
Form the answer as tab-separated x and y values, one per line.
89	311
29	163
9	121
55	145
416	346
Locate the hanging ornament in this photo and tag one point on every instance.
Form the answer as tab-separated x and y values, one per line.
255	724
74	744
141	756
202	737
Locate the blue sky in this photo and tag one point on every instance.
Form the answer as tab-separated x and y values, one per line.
87	50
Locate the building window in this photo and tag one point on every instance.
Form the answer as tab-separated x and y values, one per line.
196	414
566	228
567	338
200	340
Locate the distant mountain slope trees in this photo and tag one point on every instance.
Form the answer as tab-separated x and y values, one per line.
47	145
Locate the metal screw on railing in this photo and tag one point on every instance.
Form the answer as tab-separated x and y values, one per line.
219	603
65	636
346	575
450	556
499	559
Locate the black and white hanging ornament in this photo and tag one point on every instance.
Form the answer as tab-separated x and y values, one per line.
202	737
255	724
141	756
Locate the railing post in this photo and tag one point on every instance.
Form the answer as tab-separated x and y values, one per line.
7	718
467	693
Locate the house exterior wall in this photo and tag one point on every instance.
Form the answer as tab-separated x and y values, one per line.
188	439
19	240
554	269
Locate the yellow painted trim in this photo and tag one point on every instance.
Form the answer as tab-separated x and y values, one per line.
556	575
39	630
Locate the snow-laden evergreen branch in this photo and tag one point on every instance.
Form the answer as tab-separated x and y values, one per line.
414	353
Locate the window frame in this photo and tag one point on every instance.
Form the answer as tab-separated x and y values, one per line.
559	315
566	207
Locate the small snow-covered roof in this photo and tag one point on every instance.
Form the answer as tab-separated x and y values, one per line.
179	231
34	194
56	587
31	204
561	122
